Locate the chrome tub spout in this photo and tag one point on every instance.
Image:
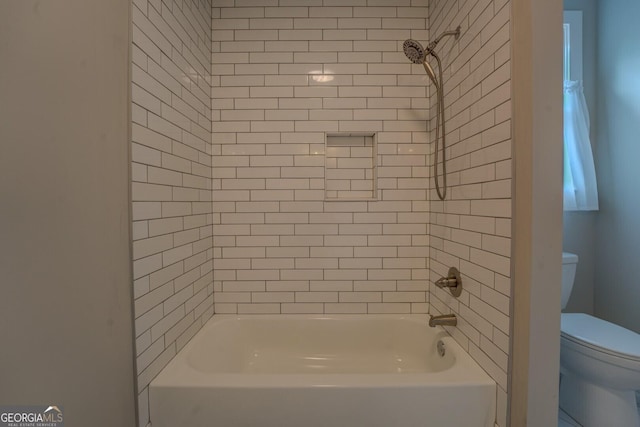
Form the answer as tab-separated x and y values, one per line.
444	320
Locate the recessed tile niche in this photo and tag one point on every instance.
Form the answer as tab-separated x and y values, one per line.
350	166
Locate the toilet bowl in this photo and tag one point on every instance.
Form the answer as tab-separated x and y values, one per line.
600	365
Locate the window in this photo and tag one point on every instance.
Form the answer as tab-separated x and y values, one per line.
580	187
572	44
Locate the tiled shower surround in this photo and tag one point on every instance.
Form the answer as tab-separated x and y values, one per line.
237	207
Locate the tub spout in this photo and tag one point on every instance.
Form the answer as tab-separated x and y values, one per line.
444	320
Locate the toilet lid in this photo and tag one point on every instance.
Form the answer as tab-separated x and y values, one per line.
600	334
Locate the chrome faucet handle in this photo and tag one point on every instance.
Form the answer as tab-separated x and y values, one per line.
453	281
447	282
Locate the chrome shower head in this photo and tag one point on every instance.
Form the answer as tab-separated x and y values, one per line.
414	51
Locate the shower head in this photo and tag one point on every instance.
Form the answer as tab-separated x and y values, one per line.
414	51
418	54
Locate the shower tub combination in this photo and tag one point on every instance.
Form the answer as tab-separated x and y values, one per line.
319	371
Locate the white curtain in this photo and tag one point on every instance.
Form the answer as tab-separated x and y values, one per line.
580	188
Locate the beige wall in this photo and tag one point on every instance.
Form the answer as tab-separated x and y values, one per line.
617	154
537	132
65	279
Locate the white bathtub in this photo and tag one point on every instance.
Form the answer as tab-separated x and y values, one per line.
321	371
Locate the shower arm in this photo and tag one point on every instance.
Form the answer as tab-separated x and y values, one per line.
431	46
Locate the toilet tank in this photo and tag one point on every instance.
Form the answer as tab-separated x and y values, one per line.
569	264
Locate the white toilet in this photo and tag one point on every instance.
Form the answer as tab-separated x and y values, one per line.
600	365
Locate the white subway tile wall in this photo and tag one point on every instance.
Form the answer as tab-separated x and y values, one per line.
232	101
285	74
471	230
171	174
